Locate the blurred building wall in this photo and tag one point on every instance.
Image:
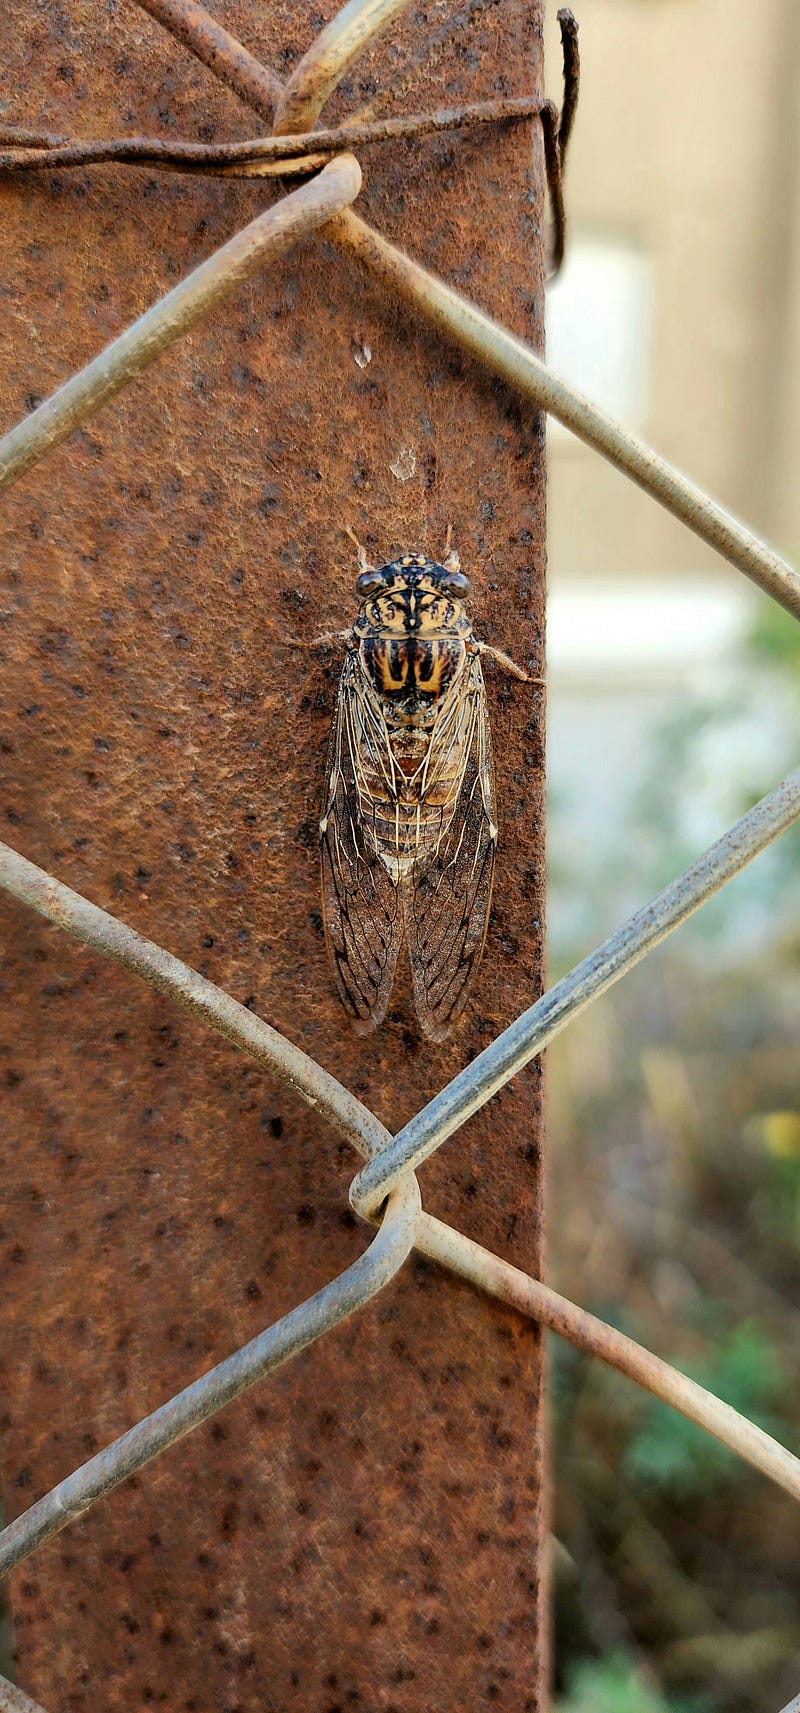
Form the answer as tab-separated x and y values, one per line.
686	158
679	312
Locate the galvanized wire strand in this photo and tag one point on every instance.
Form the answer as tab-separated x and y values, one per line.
479	1080
505	355
499	1279
216	48
330	54
536	1027
204	1397
14	1700
267	237
107	934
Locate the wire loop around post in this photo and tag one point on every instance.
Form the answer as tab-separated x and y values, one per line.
187	1409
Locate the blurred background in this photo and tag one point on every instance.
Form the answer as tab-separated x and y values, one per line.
675	702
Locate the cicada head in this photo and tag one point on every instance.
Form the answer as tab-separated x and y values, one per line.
413	594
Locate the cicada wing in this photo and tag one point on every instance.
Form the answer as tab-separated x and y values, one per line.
361	905
447	895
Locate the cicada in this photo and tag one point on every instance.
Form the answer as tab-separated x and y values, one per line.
409	829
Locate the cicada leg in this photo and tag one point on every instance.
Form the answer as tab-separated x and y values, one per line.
504	660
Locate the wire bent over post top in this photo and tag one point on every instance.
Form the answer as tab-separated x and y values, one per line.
187	1409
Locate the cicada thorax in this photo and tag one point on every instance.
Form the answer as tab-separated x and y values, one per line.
412	674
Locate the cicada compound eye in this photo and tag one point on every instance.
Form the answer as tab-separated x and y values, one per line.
369	583
455	583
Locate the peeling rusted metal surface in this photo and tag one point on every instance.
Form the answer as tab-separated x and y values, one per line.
362	1531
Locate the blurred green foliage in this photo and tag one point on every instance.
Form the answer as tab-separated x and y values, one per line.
677	1457
616	1685
775	637
675	1215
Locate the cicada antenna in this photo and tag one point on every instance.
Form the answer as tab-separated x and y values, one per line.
452	559
363	562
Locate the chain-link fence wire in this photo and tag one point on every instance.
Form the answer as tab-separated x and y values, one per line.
386	1188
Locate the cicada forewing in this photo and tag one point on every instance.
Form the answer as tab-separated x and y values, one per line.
447	895
362	913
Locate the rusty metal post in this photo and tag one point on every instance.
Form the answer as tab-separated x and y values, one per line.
364	1529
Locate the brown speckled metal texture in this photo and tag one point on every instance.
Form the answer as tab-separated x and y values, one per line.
363	1531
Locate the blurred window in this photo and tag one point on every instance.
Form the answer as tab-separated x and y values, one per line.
599	316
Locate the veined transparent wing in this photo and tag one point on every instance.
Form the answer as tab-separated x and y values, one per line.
361	905
447	893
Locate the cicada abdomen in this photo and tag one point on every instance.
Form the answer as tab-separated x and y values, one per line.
408	829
